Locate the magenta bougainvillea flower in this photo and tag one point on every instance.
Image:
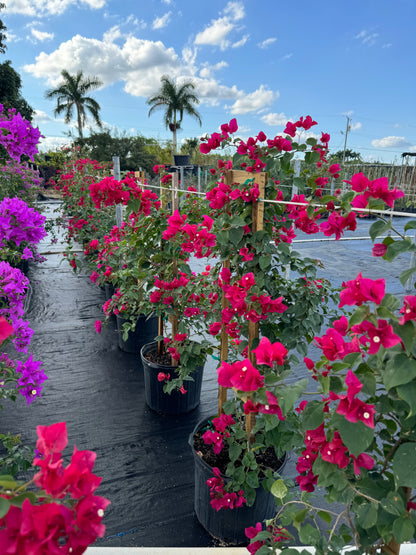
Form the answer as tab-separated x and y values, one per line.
360	290
408	309
241	375
270	353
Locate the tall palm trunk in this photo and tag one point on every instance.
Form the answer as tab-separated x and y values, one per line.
79	122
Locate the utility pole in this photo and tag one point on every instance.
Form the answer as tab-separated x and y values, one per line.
345	142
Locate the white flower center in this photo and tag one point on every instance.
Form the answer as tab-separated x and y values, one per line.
408	311
244	369
100	512
366	415
376	339
33	392
267	407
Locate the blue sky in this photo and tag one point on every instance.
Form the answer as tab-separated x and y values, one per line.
261	61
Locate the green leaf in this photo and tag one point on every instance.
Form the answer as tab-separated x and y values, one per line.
410	225
279	489
407	334
355	435
234	452
252	479
265	261
309	535
408	394
396	248
404	468
406	274
399	370
393	503
366	515
18	500
236	234
403	529
4	507
326	517
313	415
359	315
378	228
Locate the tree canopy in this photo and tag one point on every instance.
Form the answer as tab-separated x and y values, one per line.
71	95
176	100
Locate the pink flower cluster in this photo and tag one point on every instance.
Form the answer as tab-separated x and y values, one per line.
216	437
195	238
109	192
332	451
377	189
220	498
216	139
251	307
222	194
64	525
279	534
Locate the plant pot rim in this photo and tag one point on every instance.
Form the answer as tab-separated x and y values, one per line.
147	347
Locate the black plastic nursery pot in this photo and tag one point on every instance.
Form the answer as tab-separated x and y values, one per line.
146	330
109	290
181	159
227	525
175	402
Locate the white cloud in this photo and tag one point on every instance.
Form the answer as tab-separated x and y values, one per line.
206	71
112	34
41	35
189	55
266	43
41	117
355	126
216	33
275	119
390	142
41	8
366	37
287	56
387	45
255	101
160	22
412	148
348	114
167	2
234	10
139	63
53	143
240	42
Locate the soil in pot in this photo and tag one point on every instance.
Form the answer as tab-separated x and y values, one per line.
168	403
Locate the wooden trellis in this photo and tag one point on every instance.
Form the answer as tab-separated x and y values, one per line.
240	177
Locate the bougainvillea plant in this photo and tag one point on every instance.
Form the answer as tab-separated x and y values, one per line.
257	367
62	514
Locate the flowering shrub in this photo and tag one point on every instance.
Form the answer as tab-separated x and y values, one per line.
81	218
63	515
262	316
27	377
17	136
21	229
18	180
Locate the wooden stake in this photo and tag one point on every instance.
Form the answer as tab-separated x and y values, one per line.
257	216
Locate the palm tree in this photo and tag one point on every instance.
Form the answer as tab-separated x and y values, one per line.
72	93
176	100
